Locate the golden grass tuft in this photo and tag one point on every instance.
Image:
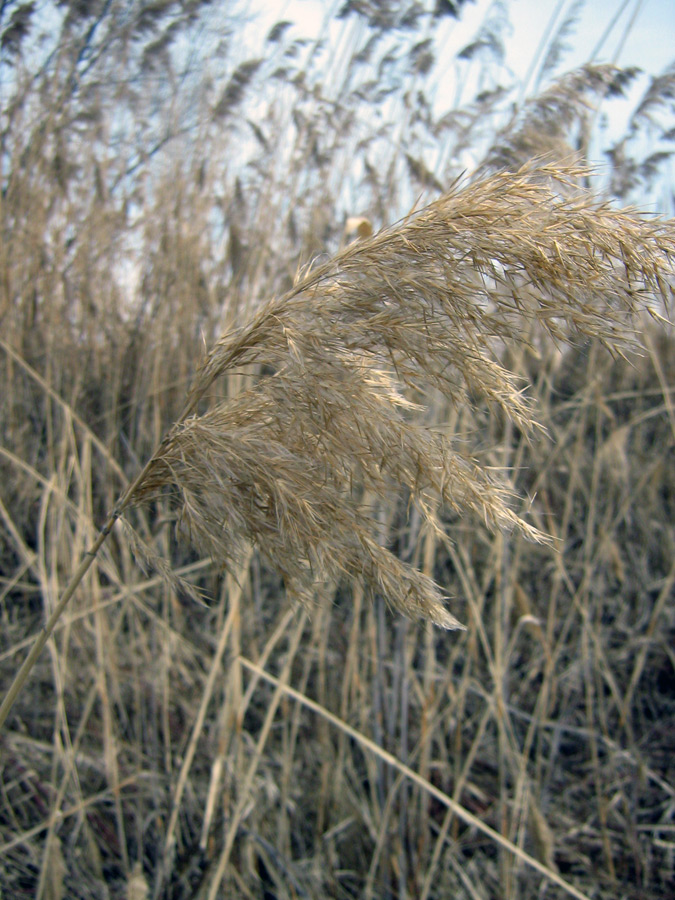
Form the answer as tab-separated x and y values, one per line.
295	463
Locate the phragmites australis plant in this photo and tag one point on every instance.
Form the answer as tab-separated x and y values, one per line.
304	432
335	418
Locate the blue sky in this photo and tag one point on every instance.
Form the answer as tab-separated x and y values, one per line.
650	42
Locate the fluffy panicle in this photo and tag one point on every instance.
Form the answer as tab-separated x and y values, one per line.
547	121
298	463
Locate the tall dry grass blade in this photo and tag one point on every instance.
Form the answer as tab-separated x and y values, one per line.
405	771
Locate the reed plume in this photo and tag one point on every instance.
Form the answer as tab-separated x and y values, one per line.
295	463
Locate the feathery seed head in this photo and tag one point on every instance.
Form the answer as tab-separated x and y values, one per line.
298	463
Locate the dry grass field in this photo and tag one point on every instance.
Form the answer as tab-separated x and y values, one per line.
350	561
